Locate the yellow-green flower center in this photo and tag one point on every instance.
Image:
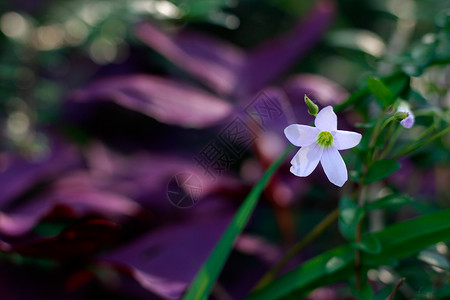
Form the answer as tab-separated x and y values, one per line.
324	139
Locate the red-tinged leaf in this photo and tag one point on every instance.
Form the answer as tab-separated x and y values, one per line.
79	280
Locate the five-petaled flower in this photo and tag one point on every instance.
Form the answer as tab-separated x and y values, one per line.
321	143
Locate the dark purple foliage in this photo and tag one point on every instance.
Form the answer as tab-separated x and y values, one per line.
111	192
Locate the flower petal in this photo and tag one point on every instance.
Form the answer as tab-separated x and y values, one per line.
326	119
334	166
306	160
408	122
346	139
301	135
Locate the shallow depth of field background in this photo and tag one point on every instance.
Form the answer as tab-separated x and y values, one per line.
131	131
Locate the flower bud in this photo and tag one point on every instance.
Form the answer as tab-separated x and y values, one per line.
313	109
407	121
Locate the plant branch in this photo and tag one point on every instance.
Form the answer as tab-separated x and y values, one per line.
392	137
299	246
358	236
418	145
397	286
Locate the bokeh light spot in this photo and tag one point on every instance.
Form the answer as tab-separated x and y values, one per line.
14	25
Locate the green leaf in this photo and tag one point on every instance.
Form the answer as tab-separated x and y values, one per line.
201	9
347	210
365	293
369	244
354	175
381	169
383	293
443	293
400	87
335	264
397	241
210	271
390	201
349	216
383	94
358	96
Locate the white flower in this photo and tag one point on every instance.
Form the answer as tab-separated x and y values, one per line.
321	143
407	122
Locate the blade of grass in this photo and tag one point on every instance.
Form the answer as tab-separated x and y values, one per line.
210	271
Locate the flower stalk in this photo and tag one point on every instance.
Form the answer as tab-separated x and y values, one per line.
299	246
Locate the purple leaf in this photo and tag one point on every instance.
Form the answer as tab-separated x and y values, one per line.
322	90
76	193
270	109
166	261
271	59
168	101
319	89
145	177
212	61
18	174
257	246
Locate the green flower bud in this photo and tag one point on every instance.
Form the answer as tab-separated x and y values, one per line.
313	109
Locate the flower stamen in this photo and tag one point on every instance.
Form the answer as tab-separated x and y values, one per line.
324	139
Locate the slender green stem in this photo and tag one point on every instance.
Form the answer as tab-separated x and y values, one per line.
427	132
414	147
362	195
358	236
376	131
392	137
386	122
373	139
388	134
299	246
